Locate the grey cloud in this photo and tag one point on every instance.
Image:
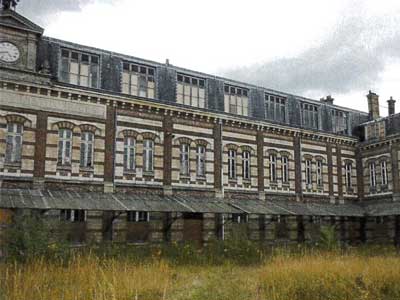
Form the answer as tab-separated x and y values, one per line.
42	11
351	58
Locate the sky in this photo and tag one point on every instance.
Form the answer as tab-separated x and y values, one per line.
311	48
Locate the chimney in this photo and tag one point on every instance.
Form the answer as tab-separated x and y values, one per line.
167	62
391	104
373	105
327	100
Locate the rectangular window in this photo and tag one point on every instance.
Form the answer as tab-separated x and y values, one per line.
372	174
285	169
348	170
191	91
275	108
137	216
14	143
319	172
339	122
87	143
272	167
246	165
185	159
79	68
384	173
64	147
138	80
148	155
73	215
201	161
240	218
232	164
236	100
129	153
308	172
309	115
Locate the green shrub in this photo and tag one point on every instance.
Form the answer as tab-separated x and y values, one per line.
30	236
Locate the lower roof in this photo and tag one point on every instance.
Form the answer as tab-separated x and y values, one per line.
97	201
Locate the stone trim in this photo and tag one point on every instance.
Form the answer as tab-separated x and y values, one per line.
167	161
218	157
330	168
260	160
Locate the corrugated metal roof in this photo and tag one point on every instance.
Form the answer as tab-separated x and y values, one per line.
35	199
382	209
15	198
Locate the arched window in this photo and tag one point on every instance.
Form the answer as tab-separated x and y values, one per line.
372	174
148	155
64	146
201	161
308	172
319	172
129	153
87	145
384	173
272	167
232	164
246	164
285	169
185	150
14	142
348	170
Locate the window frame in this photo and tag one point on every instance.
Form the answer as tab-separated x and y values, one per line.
144	74
246	165
273	176
275	107
384	173
184	159
73	215
13	151
85	153
148	155
232	156
134	216
372	175
308	172
192	83
231	93
285	169
201	161
65	76
129	154
348	170
319	172
62	158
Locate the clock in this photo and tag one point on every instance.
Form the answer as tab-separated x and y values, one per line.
9	53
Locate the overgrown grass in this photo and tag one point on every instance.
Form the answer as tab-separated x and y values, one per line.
187	272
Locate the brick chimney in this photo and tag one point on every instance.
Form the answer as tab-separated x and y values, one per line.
373	105
391	105
327	100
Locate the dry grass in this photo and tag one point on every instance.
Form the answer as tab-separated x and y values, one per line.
282	277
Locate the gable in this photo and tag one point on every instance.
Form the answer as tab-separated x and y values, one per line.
10	18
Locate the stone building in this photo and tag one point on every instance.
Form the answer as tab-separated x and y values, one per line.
130	150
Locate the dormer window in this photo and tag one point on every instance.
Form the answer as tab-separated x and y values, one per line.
339	121
138	80
309	115
275	108
79	68
190	91
236	100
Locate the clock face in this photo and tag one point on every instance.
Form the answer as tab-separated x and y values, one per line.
8	52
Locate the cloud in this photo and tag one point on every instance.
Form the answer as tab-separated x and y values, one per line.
352	57
42	11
